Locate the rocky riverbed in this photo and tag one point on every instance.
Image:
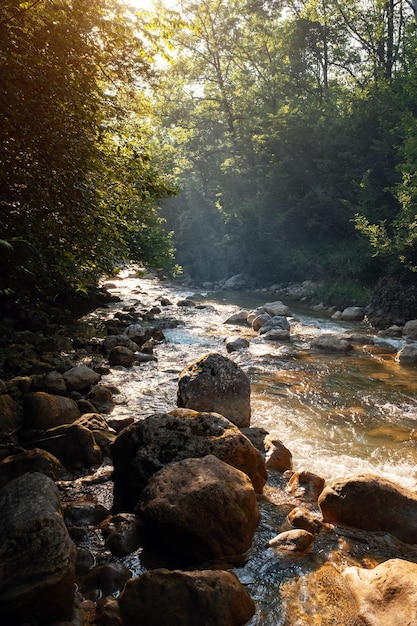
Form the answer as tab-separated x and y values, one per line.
186	515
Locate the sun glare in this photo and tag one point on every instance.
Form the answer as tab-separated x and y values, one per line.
148	5
141	4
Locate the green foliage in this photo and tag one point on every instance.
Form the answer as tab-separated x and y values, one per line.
76	173
342	294
286	123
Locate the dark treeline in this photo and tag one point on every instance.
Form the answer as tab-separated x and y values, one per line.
289	127
293	129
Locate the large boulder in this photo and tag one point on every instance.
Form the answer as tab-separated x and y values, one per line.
35	460
146	446
37	556
81	378
387	594
352	314
138	333
276	308
10	416
216	384
50	382
121	356
372	503
44	410
112	341
329	342
274	323
74	445
410	329
102	398
200	509
204	597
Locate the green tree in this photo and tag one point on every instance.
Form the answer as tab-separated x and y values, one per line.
72	184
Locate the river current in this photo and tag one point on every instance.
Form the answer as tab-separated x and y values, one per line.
340	415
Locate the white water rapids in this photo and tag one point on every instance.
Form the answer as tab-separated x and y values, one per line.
338	414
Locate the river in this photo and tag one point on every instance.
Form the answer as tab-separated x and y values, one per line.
340	415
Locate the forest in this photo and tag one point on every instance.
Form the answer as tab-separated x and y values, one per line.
274	138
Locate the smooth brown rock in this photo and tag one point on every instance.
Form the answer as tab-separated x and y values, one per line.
216	384
277	455
74	445
102	398
387	594
51	382
372	503
84	512
197	598
297	540
123	533
331	343
11	420
37	557
301	518
201	509
305	485
146	446
44	410
122	356
35	460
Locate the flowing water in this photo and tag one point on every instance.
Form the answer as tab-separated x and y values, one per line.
339	415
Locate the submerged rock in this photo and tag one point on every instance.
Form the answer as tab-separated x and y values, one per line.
215	383
324	594
387	594
331	343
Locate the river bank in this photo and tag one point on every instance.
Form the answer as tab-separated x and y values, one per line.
288	588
